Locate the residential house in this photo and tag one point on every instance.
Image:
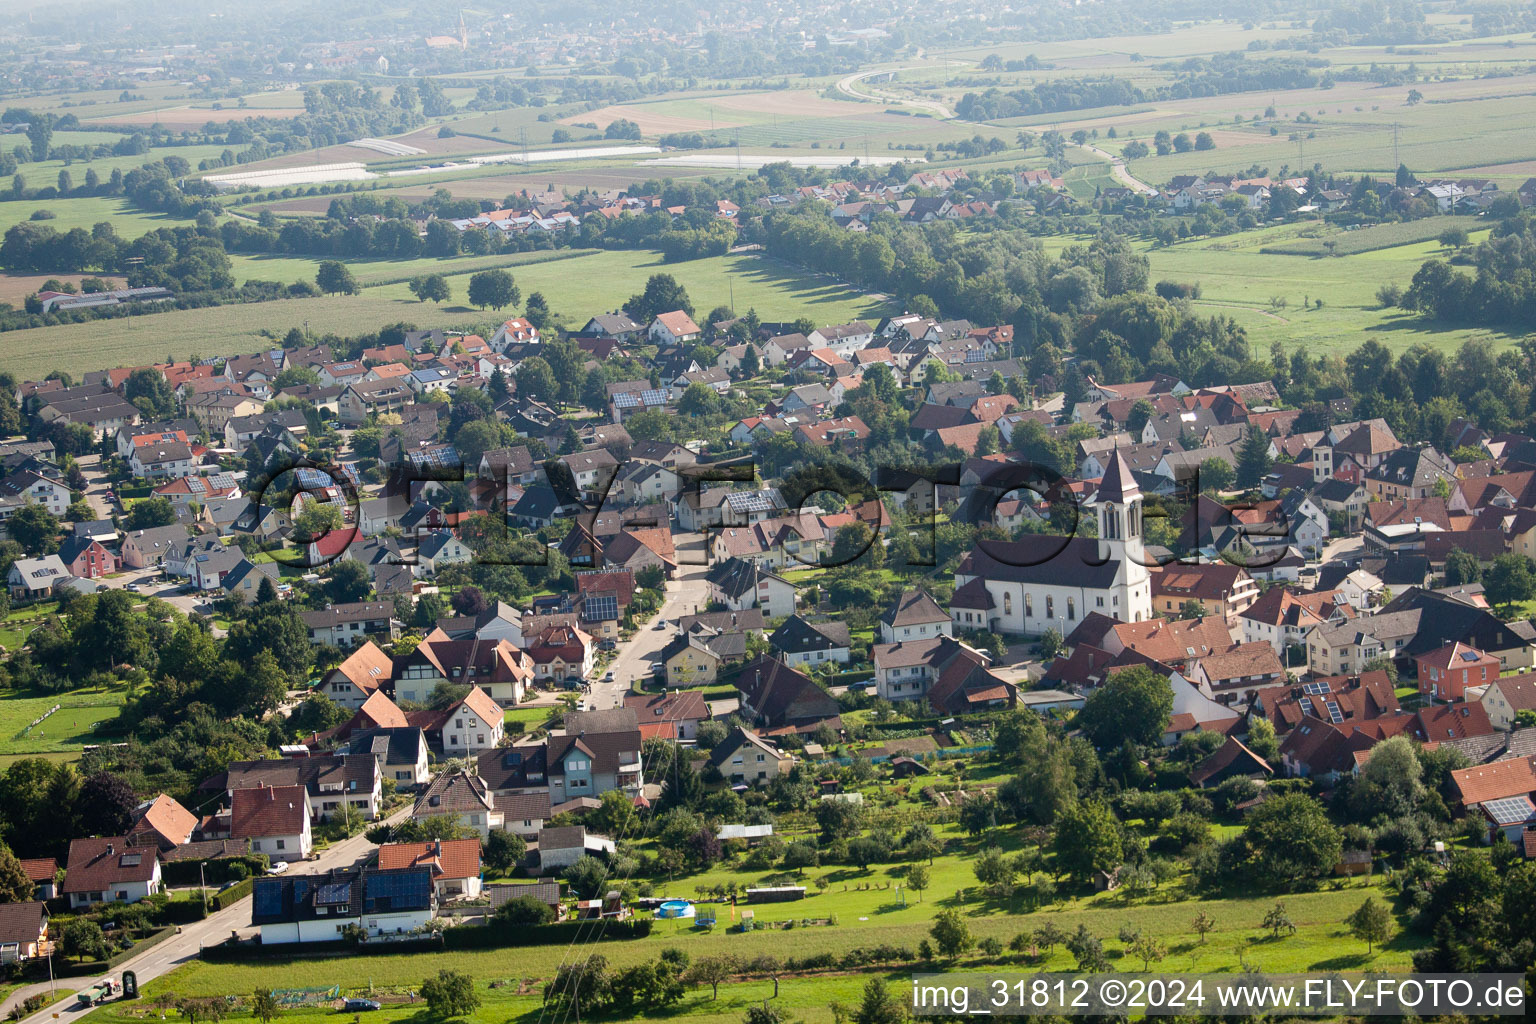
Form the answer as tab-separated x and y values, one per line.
739	584
110	870
463	797
276	820
358	677
1446	672
746	759
1219	588
32	579
453	863
801	642
344	625
776	696
24	932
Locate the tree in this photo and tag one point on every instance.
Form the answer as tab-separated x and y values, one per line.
349	581
150	513
1462	568
264	1005
800	855
40	134
917	879
83	938
1216	474
15	885
1370	923
1087	840
503	850
105	805
1147	949
1203	141
699	400
493	288
879	1005
1414	97
316	519
430	288
151	392
525	910
1291	838
1203	924
1508	579
762	1014
712	970
662	295
1390	783
35	529
334	278
951	933
1278	920
450	994
588	877
1253	458
583	983
1134	705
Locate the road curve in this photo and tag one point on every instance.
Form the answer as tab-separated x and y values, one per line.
849	87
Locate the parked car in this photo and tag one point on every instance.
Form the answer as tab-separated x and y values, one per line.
609	677
132	588
354	1005
660	624
278	868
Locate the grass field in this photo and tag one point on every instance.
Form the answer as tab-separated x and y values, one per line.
85	212
63	731
868	910
1377	237
576	287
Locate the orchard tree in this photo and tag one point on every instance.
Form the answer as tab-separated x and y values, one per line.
450	994
951	933
430	288
1371	923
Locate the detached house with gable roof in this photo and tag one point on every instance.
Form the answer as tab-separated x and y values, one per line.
275	819
110	870
674	328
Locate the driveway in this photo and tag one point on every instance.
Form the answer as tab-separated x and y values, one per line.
184	948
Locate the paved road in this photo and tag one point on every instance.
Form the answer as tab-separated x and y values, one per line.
1121	172
686	594
183	948
850	87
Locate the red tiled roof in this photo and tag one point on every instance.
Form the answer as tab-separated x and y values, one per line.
268	811
448	858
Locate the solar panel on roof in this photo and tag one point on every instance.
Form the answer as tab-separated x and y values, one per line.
1334	714
1510	810
267	899
1469	656
1316	689
333	894
747	501
625	400
1306	706
600	608
654	396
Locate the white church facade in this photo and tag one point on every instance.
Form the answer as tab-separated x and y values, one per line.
1028	586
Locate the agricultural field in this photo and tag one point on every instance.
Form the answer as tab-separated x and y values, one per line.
603	280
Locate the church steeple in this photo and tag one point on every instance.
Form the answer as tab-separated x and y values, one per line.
1121	540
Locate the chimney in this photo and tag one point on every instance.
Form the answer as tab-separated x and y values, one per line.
111	849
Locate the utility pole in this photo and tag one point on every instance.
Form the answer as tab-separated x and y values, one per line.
1396	131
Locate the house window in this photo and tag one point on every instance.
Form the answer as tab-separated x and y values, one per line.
1100	601
1071	608
1050	607
282	844
1007	604
1029	606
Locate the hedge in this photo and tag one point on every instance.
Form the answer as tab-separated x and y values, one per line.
234	893
461	938
216	872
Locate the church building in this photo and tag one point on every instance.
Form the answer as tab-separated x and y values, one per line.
1041	582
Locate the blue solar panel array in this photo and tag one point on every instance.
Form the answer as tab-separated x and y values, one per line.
333	894
399	890
1510	810
600	608
267	897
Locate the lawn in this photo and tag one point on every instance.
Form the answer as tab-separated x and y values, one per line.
84	212
865	917
576	287
64	731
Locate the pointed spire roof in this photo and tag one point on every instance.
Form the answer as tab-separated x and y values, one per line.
1118	484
